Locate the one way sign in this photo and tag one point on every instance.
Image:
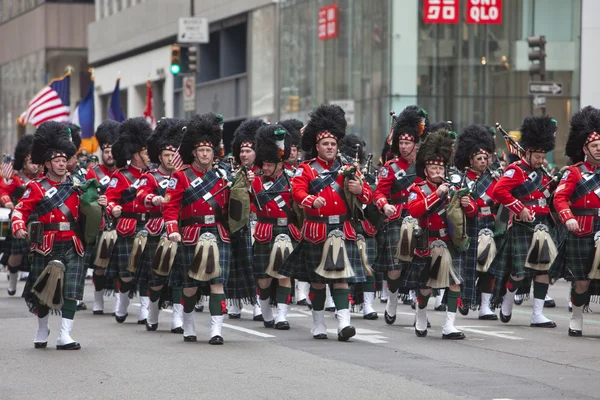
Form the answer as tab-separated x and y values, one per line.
547	88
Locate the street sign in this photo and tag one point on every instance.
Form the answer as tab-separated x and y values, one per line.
189	93
539	102
348	107
193	30
546	88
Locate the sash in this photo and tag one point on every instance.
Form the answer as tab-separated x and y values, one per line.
588	184
55	196
325	178
437	207
129	194
103	179
266	195
200	187
480	187
403	178
533	183
19	190
163	182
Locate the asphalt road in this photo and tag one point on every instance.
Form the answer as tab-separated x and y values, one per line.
117	361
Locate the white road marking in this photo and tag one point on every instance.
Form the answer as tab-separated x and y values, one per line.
365	335
498	334
293	315
250	331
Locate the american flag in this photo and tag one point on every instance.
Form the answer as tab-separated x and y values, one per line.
6	168
513	147
177	161
49	104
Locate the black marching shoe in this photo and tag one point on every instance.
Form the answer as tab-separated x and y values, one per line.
258	318
372	316
441	307
282	325
178	330
216	340
320	336
69	346
142	321
549	324
505	318
121	319
572	332
346	333
190	338
151	327
81	306
199	307
330	309
550	303
454	336
269	324
234	316
98	312
422	333
11	292
489	317
43	345
463	310
388	319
301	302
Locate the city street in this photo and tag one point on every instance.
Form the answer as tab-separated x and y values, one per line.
496	361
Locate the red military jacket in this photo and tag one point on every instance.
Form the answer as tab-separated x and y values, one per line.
34	193
101	173
484	204
289	166
116	189
174	211
273	210
335	205
515	175
9	187
564	196
153	183
383	192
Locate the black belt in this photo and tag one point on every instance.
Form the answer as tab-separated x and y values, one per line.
438	232
137	216
536	202
61	226
273	221
398	200
204	220
331	219
593	212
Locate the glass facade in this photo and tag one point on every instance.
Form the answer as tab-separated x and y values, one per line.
385	56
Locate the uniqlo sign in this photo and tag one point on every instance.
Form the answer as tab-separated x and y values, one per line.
328	22
440	11
484	12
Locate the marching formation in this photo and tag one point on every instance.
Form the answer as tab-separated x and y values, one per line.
299	211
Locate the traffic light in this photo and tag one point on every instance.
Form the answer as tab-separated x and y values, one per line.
537	56
191	59
175	59
293	104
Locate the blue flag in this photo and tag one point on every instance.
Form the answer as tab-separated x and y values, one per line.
84	114
115	111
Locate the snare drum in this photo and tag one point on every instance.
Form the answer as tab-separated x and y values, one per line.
4	223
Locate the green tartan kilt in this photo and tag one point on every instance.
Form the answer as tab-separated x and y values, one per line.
179	272
262	252
387	243
306	257
512	253
19	246
74	283
575	256
143	274
417	275
119	260
241	285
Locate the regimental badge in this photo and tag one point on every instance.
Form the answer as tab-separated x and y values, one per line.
384	172
143	182
8	181
172	183
113	183
26	194
412	196
510	173
565	175
298	172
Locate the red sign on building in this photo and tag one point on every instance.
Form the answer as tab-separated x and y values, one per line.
328	22
440	11
482	12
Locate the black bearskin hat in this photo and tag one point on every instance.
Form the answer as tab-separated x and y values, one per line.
585	128
107	133
133	137
273	144
348	146
293	127
244	135
436	149
470	142
538	134
51	140
327	120
75	131
411	124
202	129
166	136
22	150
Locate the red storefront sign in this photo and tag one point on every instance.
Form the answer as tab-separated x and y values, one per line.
440	11
328	22
482	12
